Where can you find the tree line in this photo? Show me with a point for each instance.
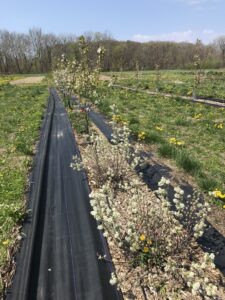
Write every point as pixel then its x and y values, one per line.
pixel 38 52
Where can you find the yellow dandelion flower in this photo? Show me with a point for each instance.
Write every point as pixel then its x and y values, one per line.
pixel 145 249
pixel 141 135
pixel 142 237
pixel 198 116
pixel 180 143
pixel 117 119
pixel 218 126
pixel 149 242
pixel 218 194
pixel 159 128
pixel 5 243
pixel 224 206
pixel 173 140
pixel 222 196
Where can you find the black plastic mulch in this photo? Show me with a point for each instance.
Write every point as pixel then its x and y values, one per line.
pixel 58 257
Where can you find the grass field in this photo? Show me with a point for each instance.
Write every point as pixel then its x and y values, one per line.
pixel 21 111
pixel 212 82
pixel 7 78
pixel 192 135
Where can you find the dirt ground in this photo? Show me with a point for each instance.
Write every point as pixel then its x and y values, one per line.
pixel 105 78
pixel 28 80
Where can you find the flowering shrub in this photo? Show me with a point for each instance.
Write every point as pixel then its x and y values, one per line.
pixel 112 168
pixel 155 237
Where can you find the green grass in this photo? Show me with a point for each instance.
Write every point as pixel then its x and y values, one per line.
pixel 188 163
pixel 21 111
pixel 167 150
pixel 7 78
pixel 77 120
pixel 177 82
pixel 203 152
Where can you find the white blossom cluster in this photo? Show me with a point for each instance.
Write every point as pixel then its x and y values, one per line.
pixel 77 163
pixel 113 279
pixel 79 77
pixel 191 210
pixel 148 230
pixel 197 279
pixel 118 167
pixel 65 76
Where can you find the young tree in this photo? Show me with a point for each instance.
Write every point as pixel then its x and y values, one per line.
pixel 220 42
pixel 80 78
pixel 157 77
pixel 197 65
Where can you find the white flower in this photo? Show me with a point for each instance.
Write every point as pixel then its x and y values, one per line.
pixel 117 235
pixel 212 256
pixel 129 231
pixel 196 286
pixel 93 213
pixel 99 50
pixel 162 182
pixel 191 274
pixel 113 280
pixel 127 238
pixel 106 234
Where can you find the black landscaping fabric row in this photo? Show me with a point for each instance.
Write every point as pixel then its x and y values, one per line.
pixel 212 99
pixel 58 256
pixel 211 241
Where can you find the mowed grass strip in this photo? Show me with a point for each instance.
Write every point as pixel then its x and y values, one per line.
pixel 21 111
pixel 191 134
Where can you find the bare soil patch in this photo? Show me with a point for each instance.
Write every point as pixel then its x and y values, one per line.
pixel 28 80
pixel 105 78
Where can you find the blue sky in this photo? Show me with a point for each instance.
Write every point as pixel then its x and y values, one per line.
pixel 140 20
